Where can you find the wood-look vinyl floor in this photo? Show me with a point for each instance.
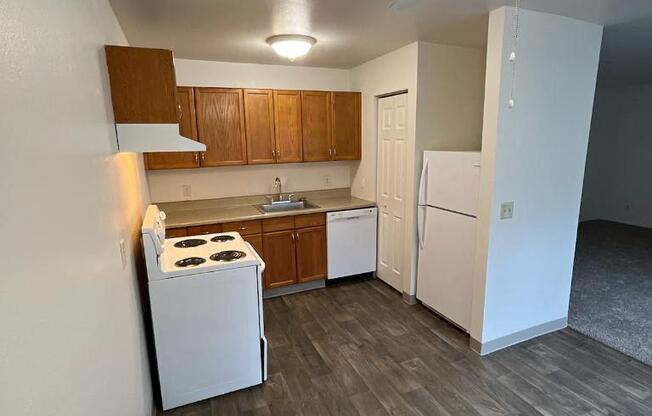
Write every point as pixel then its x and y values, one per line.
pixel 357 349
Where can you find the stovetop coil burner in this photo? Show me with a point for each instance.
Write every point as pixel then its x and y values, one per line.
pixel 222 238
pixel 228 255
pixel 190 242
pixel 190 261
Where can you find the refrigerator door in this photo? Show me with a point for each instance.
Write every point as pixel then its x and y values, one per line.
pixel 451 181
pixel 445 268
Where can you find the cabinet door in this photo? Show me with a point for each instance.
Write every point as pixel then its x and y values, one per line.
pixel 187 128
pixel 346 125
pixel 143 84
pixel 316 123
pixel 220 126
pixel 256 242
pixel 311 254
pixel 287 121
pixel 280 259
pixel 259 126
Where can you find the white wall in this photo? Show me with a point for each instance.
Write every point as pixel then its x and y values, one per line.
pixel 449 108
pixel 228 181
pixel 242 75
pixel 618 176
pixel 534 155
pixel 451 98
pixel 251 180
pixel 445 98
pixel 395 71
pixel 71 338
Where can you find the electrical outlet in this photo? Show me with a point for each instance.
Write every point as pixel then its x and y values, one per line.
pixel 186 191
pixel 123 253
pixel 327 180
pixel 506 210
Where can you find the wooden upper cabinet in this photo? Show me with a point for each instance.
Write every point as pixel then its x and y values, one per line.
pixel 143 84
pixel 187 128
pixel 311 253
pixel 221 126
pixel 316 123
pixel 259 126
pixel 280 259
pixel 346 139
pixel 287 120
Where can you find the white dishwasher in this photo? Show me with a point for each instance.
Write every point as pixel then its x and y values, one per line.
pixel 351 237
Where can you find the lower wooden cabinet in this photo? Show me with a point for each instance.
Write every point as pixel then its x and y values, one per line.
pixel 311 253
pixel 256 242
pixel 176 232
pixel 292 247
pixel 280 258
pixel 295 252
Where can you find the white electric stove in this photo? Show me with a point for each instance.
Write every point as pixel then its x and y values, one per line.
pixel 206 303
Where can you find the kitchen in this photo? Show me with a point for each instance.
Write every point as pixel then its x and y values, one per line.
pixel 303 237
pixel 234 231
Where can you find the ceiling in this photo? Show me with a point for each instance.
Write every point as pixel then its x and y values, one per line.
pixel 350 32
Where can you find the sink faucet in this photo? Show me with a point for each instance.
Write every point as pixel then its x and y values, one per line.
pixel 277 184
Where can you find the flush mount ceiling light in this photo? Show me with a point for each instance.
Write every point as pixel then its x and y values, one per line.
pixel 291 46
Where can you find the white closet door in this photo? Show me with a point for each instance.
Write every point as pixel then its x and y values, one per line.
pixel 392 154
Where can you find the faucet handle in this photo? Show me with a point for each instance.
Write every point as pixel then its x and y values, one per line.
pixel 290 197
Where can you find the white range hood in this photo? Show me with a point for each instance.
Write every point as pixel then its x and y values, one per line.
pixel 154 137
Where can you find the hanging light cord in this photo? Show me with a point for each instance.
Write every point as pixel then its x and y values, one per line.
pixel 512 55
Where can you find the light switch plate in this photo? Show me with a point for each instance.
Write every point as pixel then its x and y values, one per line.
pixel 506 210
pixel 186 191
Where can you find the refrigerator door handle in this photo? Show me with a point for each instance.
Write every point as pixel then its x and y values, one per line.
pixel 423 183
pixel 421 225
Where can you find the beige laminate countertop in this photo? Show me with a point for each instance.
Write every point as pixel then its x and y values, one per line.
pixel 203 212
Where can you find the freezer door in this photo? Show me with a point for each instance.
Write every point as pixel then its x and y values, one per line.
pixel 452 181
pixel 445 268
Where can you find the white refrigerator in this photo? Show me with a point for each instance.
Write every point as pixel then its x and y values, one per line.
pixel 446 221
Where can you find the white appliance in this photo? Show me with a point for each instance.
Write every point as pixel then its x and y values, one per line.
pixel 351 242
pixel 207 312
pixel 446 227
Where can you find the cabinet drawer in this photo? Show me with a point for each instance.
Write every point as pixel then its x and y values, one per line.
pixel 175 232
pixel 309 220
pixel 205 229
pixel 243 227
pixel 278 224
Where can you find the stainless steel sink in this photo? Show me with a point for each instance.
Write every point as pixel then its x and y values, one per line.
pixel 280 206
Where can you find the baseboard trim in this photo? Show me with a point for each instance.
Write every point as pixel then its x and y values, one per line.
pixel 288 290
pixel 409 299
pixel 517 337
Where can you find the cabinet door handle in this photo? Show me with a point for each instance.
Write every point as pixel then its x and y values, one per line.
pixel 243 228
pixel 278 153
pixel 297 236
pixel 196 157
pixel 203 157
pixel 292 234
pixel 273 154
pixel 334 152
pixel 330 152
